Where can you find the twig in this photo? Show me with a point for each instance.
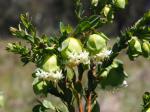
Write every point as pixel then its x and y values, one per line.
pixel 89 103
pixel 80 105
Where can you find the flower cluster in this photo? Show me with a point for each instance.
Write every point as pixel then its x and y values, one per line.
pixel 82 57
pixel 53 75
pixel 99 57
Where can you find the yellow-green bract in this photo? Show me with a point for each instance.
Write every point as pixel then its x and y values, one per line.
pixel 146 49
pixel 106 10
pixel 50 64
pixel 134 49
pixel 94 2
pixel 148 110
pixel 120 3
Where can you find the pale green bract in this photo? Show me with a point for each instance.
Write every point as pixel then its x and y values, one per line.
pixel 49 69
pixel 148 110
pixel 106 10
pixel 95 2
pixel 69 46
pixel 50 64
pixel 120 3
pixel 96 43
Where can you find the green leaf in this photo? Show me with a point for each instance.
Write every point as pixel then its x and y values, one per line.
pixel 79 9
pixel 18 48
pixel 67 94
pixel 48 105
pixel 88 23
pixel 95 106
pixel 38 108
pixel 146 102
pixel 68 29
pixel 39 87
pixel 25 19
pixel 82 27
pixel 62 108
pixel 113 76
pixel 145 20
pixel 36 79
pixel 22 34
pixel 27 24
pixel 78 87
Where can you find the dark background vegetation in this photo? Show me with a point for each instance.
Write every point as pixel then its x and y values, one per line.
pixel 16 80
pixel 46 14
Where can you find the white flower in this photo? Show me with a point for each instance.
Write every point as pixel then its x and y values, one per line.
pixel 125 84
pixel 53 75
pixel 102 55
pixel 73 58
pixel 82 57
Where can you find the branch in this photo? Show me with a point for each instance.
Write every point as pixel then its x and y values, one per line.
pixel 141 29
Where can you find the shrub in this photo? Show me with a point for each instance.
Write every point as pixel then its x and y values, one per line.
pixel 63 60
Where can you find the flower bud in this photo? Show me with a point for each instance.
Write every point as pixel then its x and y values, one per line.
pixel 120 4
pixel 69 46
pixel 12 29
pixel 50 64
pixel 95 2
pixel 106 10
pixel 96 43
pixel 146 49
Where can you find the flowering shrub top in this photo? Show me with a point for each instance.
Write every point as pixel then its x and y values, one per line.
pixel 63 60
